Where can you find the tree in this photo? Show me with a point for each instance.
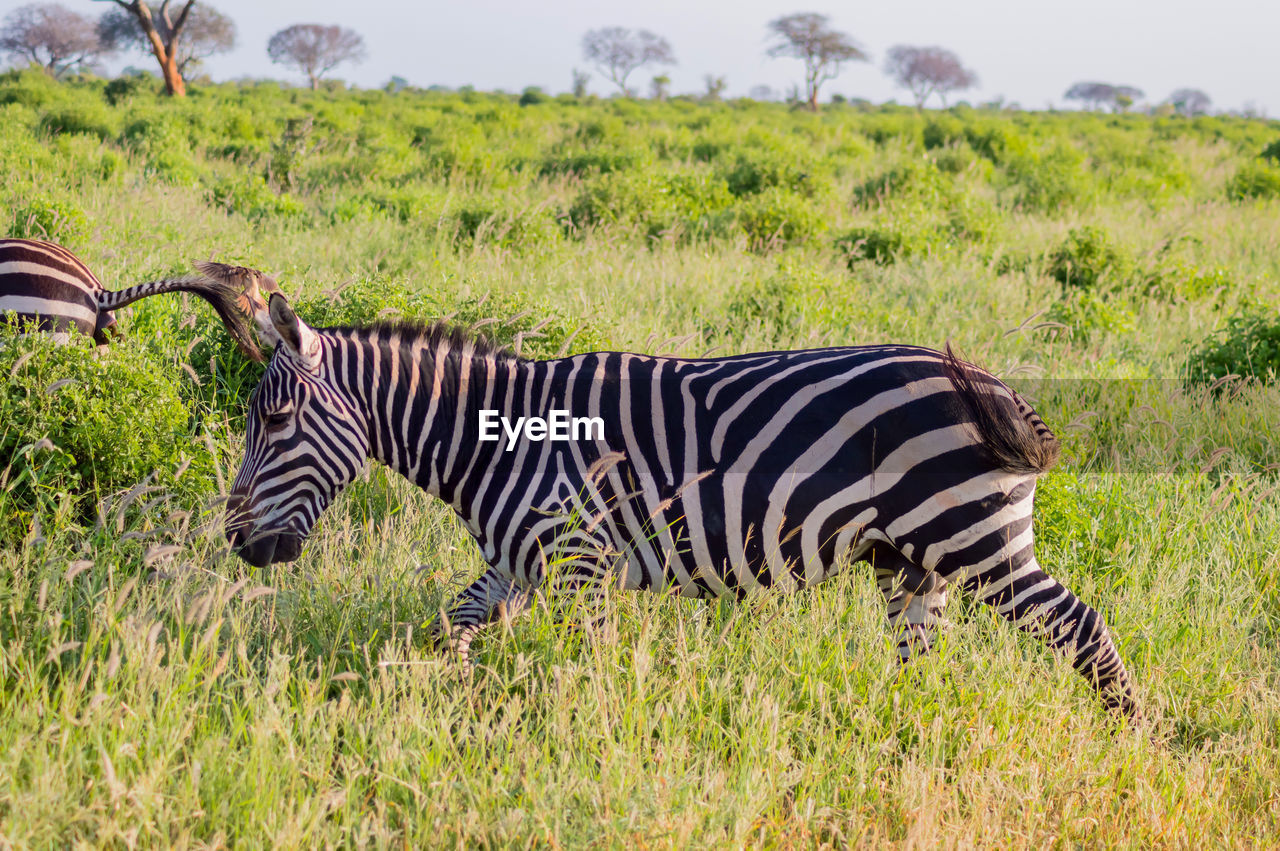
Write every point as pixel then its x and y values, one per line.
pixel 207 32
pixel 928 71
pixel 1190 102
pixel 1098 95
pixel 52 36
pixel 715 87
pixel 580 80
pixel 660 87
pixel 617 51
pixel 315 49
pixel 809 37
pixel 164 46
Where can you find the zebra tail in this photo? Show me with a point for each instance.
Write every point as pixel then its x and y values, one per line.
pixel 221 296
pixel 1013 434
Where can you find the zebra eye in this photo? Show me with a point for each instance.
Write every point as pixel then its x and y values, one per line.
pixel 277 420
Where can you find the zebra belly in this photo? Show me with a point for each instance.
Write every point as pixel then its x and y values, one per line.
pixel 51 314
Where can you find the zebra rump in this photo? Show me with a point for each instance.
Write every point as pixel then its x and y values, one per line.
pixel 50 289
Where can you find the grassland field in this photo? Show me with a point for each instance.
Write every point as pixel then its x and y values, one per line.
pixel 155 691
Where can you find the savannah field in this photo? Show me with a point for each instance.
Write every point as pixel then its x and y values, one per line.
pixel 156 691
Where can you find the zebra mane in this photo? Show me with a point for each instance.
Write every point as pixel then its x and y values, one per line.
pixel 430 335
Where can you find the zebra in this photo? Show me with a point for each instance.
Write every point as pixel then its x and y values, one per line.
pixel 50 289
pixel 713 477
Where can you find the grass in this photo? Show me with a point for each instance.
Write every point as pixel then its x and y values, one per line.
pixel 156 691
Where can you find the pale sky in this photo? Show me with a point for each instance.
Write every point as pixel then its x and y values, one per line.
pixel 1026 51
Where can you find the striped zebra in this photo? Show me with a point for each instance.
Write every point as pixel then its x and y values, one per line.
pixel 50 289
pixel 712 477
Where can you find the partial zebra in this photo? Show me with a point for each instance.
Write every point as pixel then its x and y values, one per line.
pixel 713 477
pixel 49 288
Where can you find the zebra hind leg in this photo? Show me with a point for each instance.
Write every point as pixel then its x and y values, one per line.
pixel 490 598
pixel 1038 604
pixel 914 598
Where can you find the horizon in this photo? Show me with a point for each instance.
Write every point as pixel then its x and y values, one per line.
pixel 1157 48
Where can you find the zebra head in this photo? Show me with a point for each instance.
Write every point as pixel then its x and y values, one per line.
pixel 306 441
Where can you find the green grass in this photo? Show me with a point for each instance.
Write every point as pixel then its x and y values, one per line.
pixel 156 691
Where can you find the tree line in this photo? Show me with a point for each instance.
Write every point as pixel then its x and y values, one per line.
pixel 181 35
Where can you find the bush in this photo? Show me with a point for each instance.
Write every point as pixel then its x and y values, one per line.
pixel 1254 180
pixel 780 217
pixel 251 197
pixel 1249 346
pixel 1087 258
pixel 1086 312
pixel 1047 182
pixel 686 204
pixel 77 425
pixel 89 117
pixel 482 220
pixel 55 220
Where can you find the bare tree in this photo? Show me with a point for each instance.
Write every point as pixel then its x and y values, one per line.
pixel 580 80
pixel 206 33
pixel 315 49
pixel 808 36
pixel 165 47
pixel 617 51
pixel 52 36
pixel 1190 102
pixel 1098 95
pixel 928 71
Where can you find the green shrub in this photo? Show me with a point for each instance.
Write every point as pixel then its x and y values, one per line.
pixel 1088 257
pixel 1047 182
pixel 1249 346
pixel 122 89
pixel 1254 180
pixel 77 425
pixel 90 117
pixel 533 95
pixel 250 196
pixel 1086 312
pixel 754 170
pixel 684 204
pixel 52 219
pixel 1271 152
pixel 488 220
pixel 883 242
pixel 780 217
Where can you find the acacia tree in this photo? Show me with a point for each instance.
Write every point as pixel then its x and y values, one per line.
pixel 52 36
pixel 617 51
pixel 315 49
pixel 809 37
pixel 1098 95
pixel 1190 102
pixel 165 47
pixel 928 71
pixel 206 32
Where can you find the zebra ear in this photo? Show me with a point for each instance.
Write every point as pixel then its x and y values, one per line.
pixel 299 340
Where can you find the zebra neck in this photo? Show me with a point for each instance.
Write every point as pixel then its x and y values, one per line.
pixel 422 398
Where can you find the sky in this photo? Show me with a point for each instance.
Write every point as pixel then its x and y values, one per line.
pixel 1025 51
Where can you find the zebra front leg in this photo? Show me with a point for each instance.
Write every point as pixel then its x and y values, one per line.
pixel 1040 605
pixel 914 598
pixel 491 597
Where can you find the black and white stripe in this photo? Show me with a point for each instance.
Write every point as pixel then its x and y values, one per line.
pixel 713 477
pixel 50 289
